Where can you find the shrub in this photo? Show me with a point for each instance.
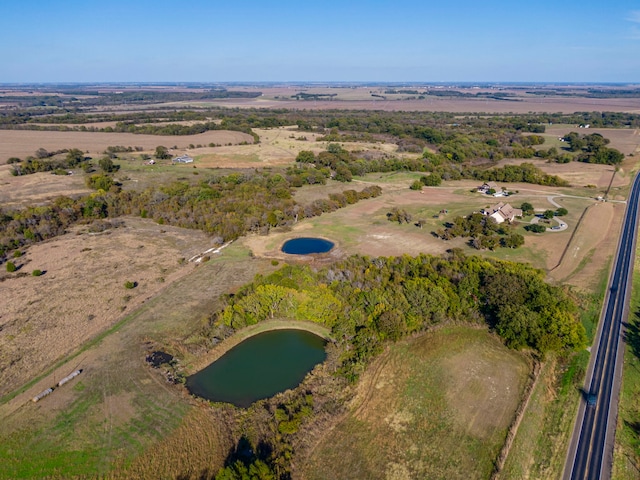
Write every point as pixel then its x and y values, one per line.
pixel 128 284
pixel 535 228
pixel 11 267
pixel 36 272
pixel 17 254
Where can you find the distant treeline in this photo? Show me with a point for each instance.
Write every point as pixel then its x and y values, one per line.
pixel 454 93
pixel 456 138
pixel 75 99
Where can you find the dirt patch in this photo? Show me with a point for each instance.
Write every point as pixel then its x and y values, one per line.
pixel 82 292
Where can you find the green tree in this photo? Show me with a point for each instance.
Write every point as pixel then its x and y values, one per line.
pixel 514 240
pixel 548 214
pixel 306 156
pixel 74 157
pixel 527 208
pixel 432 180
pixel 11 267
pixel 535 228
pixel 561 212
pixel 100 181
pixel 107 165
pixel 162 153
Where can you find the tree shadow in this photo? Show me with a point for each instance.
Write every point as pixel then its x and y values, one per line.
pixel 245 452
pixel 634 426
pixel 632 334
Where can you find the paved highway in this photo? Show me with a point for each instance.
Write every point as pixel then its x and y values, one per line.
pixel 591 450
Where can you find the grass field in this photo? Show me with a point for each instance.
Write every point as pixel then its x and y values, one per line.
pixel 437 406
pixel 364 228
pixel 627 449
pixel 118 408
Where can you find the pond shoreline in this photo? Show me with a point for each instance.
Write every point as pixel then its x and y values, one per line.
pixel 241 335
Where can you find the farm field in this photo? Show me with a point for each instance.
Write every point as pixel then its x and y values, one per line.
pixel 360 98
pixel 38 188
pixel 21 143
pixel 437 406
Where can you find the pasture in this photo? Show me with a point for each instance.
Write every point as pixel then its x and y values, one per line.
pixel 119 415
pixel 436 406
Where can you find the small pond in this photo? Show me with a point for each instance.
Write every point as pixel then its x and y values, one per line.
pixel 306 245
pixel 259 367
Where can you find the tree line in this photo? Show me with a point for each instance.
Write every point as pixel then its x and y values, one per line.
pixel 226 207
pixel 367 301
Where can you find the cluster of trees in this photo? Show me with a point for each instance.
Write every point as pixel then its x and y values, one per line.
pixel 523 173
pixel 485 233
pixel 224 206
pixel 346 164
pixel 367 301
pixel 592 149
pixel 399 215
pixel 74 158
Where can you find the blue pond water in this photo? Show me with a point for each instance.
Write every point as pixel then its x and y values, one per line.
pixel 259 367
pixel 307 245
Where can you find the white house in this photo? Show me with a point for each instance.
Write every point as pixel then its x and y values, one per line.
pixel 501 212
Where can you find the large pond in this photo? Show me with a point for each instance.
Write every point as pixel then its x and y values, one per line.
pixel 259 367
pixel 306 245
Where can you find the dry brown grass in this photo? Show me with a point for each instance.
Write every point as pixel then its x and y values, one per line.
pixel 82 292
pixel 196 449
pixel 37 188
pixel 19 143
pixel 433 407
pixel 626 140
pixel 119 408
pixel 277 147
pixel 576 173
pixel 592 246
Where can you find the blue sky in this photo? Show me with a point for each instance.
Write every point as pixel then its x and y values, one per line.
pixel 386 41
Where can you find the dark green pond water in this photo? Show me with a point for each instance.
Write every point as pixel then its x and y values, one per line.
pixel 306 245
pixel 259 367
